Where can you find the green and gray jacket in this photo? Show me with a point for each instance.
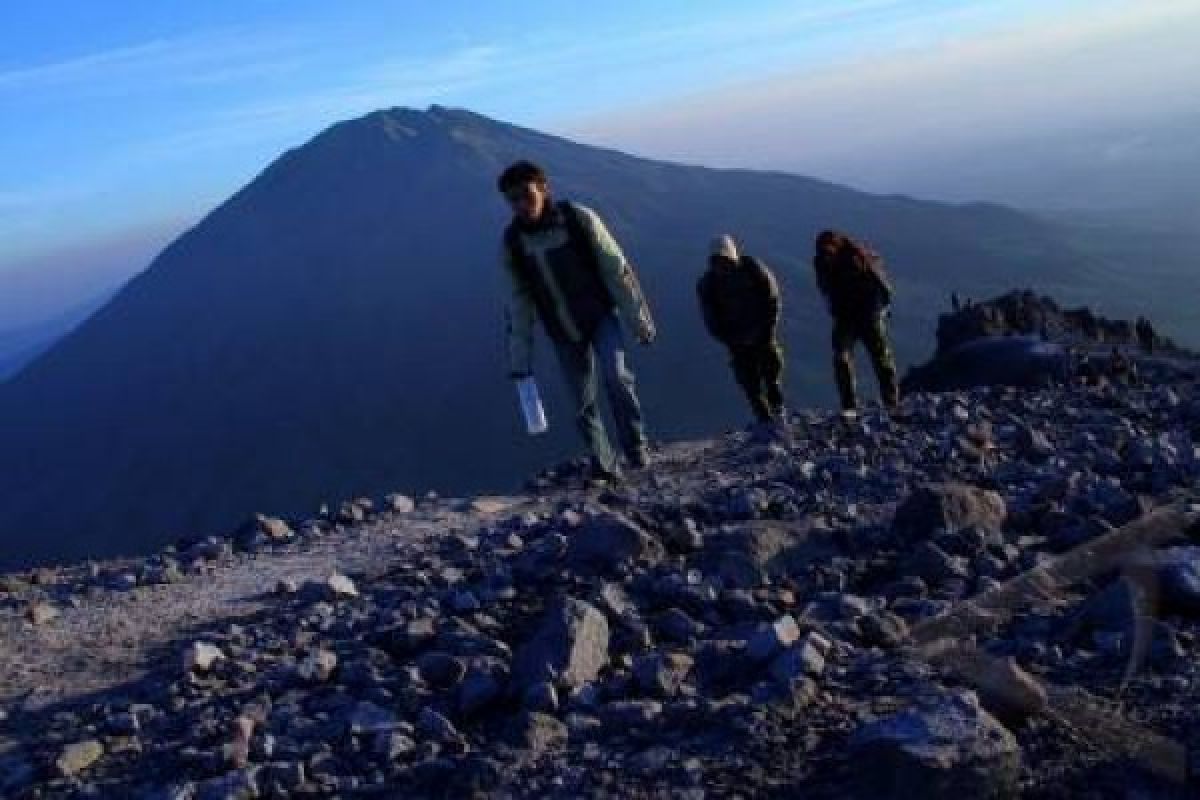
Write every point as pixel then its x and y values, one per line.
pixel 569 272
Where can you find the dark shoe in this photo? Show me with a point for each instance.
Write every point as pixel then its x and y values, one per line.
pixel 601 478
pixel 638 459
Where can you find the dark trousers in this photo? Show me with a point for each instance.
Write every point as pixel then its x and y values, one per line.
pixel 872 332
pixel 758 369
pixel 583 364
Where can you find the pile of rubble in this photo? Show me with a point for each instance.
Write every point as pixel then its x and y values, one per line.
pixel 987 594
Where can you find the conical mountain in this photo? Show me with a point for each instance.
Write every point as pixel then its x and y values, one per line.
pixel 335 329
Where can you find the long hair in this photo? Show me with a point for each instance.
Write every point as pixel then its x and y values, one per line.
pixel 846 249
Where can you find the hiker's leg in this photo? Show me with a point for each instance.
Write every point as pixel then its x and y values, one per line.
pixel 745 363
pixel 771 367
pixel 843 364
pixel 579 368
pixel 621 387
pixel 879 346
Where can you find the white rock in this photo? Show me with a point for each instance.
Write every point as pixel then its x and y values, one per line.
pixel 200 656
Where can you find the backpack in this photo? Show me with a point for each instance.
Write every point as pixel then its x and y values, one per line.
pixel 585 293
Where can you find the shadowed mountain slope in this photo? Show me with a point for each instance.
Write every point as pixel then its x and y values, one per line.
pixel 334 329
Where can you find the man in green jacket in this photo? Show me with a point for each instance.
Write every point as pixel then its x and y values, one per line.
pixel 740 302
pixel 859 296
pixel 568 271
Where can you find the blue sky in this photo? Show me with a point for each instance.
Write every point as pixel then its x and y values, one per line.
pixel 121 122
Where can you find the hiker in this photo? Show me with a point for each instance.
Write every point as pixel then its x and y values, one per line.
pixel 568 271
pixel 739 299
pixel 955 303
pixel 851 278
pixel 1145 334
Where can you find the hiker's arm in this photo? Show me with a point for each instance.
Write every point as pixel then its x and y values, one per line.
pixel 707 310
pixel 821 269
pixel 519 319
pixel 619 277
pixel 774 298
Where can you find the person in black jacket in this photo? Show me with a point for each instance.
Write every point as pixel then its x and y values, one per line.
pixel 851 278
pixel 739 298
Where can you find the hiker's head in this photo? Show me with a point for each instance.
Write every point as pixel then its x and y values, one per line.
pixel 723 251
pixel 525 187
pixel 829 242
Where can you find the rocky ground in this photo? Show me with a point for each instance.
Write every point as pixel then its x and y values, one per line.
pixel 752 616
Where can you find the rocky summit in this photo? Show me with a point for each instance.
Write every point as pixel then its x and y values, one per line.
pixel 991 593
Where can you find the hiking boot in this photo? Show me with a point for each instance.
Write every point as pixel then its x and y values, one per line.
pixel 600 478
pixel 639 458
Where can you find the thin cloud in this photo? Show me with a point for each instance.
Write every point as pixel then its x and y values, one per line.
pixel 1049 73
pixel 225 55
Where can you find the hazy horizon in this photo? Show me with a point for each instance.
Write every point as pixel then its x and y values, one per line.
pixel 1059 105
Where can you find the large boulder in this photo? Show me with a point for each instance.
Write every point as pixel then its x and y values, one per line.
pixel 944 747
pixel 609 541
pixel 570 646
pixel 950 507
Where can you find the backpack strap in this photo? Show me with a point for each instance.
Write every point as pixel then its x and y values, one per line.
pixel 579 236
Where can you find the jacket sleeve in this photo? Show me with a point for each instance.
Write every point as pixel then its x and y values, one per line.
pixel 519 318
pixel 883 285
pixel 708 311
pixel 618 275
pixel 821 268
pixel 774 303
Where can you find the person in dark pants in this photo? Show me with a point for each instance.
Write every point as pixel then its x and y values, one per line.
pixel 567 270
pixel 739 299
pixel 850 277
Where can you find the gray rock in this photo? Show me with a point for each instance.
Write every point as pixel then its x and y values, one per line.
pixel 400 503
pixel 770 639
pixel 610 541
pixel 480 688
pixel 41 613
pixel 339 586
pixel 537 732
pixel 662 673
pixel 935 566
pixel 950 507
pixel 318 666
pixel 77 757
pixel 631 712
pixel 441 670
pixel 241 784
pixel 945 744
pixel 282 777
pixel 797 661
pixel 201 656
pixel 368 718
pixel 570 646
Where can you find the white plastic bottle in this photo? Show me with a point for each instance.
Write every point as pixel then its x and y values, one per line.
pixel 531 406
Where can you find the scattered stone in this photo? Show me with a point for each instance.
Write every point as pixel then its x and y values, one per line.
pixel 945 744
pixel 201 656
pixel 770 639
pixel 610 541
pixel 318 666
pixel 400 503
pixel 41 613
pixel 949 507
pixel 340 586
pixel 570 646
pixel 537 732
pixel 75 758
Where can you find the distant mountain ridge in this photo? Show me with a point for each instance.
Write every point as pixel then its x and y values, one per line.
pixel 334 329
